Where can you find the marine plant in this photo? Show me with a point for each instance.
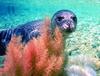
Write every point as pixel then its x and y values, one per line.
pixel 42 56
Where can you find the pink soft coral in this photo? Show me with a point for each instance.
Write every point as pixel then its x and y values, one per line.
pixel 39 57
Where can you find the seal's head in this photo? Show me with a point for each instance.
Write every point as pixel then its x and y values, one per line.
pixel 66 20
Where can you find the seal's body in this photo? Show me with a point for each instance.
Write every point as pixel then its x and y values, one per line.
pixel 26 31
pixel 64 19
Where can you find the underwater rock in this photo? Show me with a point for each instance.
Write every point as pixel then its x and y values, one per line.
pixel 81 65
pixel 76 70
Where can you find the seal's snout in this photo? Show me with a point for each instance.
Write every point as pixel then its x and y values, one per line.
pixel 66 20
pixel 67 25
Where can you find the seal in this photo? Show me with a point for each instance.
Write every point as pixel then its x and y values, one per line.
pixel 66 20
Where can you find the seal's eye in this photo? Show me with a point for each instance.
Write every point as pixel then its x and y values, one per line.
pixel 74 18
pixel 60 18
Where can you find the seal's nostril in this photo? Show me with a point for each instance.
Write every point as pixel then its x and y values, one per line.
pixel 67 22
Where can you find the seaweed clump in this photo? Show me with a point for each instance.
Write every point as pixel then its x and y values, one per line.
pixel 42 56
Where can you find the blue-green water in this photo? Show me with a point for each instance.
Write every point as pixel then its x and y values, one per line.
pixel 85 40
pixel 27 10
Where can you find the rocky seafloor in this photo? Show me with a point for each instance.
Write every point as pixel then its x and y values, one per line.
pixel 82 46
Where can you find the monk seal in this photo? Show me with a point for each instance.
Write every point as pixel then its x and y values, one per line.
pixel 66 20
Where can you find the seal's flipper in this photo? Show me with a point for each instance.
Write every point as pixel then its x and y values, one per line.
pixel 5 37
